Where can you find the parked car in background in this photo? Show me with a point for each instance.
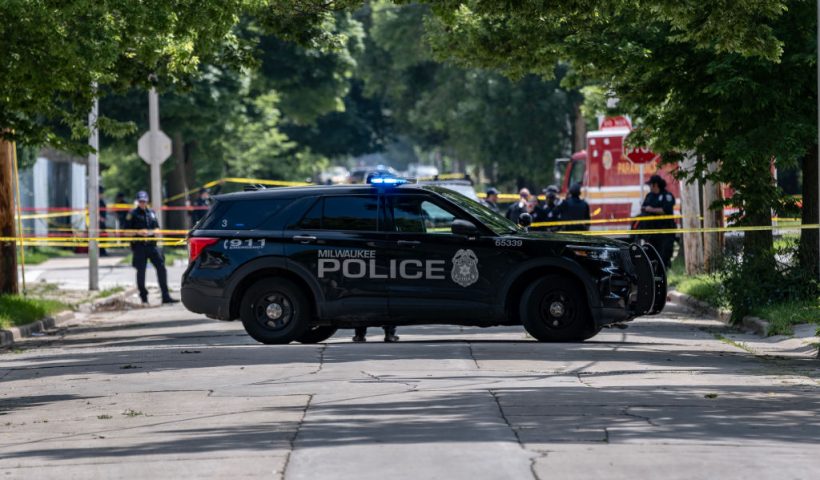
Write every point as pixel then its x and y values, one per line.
pixel 334 176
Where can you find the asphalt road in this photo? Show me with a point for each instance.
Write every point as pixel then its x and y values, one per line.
pixel 162 393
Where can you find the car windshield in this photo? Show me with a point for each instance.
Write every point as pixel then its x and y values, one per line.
pixel 495 222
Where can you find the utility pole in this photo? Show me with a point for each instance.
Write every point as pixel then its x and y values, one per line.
pixel 8 248
pixel 155 147
pixel 93 199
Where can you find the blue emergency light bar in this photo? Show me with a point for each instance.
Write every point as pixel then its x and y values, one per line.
pixel 386 180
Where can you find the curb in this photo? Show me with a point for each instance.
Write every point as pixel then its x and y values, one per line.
pixel 14 334
pixel 749 324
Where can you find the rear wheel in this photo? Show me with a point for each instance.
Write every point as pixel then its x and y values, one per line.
pixel 554 309
pixel 275 311
pixel 317 334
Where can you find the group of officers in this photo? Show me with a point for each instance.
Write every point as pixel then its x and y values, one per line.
pixel 658 202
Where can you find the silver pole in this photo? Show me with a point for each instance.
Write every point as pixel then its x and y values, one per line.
pixel 93 199
pixel 156 161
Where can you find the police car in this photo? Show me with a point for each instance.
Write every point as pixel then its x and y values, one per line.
pixel 296 264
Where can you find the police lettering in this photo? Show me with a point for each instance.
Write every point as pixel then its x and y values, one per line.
pixel 411 269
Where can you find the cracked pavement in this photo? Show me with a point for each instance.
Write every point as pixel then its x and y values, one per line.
pixel 164 393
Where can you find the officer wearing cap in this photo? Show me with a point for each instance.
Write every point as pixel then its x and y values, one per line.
pixel 142 221
pixel 201 205
pixel 659 202
pixel 575 208
pixel 491 200
pixel 551 210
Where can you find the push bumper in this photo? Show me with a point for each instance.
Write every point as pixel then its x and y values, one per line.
pixel 649 296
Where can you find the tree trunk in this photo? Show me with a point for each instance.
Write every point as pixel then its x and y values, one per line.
pixel 810 238
pixel 690 209
pixel 8 248
pixel 712 218
pixel 579 129
pixel 178 219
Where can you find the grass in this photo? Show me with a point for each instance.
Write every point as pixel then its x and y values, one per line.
pixel 705 287
pixel 38 255
pixel 109 291
pixel 18 310
pixel 708 288
pixel 781 316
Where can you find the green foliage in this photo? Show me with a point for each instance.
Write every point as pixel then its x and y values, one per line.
pixel 53 53
pixel 782 316
pixel 752 285
pixel 514 129
pixel 17 310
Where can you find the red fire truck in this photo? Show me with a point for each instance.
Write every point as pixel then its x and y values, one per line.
pixel 612 184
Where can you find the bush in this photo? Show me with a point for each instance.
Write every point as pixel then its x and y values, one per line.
pixel 755 282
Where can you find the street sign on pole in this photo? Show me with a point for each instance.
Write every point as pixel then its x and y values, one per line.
pixel 640 155
pixel 155 147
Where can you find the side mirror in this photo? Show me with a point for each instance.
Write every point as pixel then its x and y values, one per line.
pixel 463 227
pixel 525 219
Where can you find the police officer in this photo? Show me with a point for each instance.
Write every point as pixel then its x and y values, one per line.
pixel 491 200
pixel 202 203
pixel 516 209
pixel 659 202
pixel 142 221
pixel 389 334
pixel 551 209
pixel 575 208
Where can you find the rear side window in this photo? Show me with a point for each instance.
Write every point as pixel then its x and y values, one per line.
pixel 245 214
pixel 359 213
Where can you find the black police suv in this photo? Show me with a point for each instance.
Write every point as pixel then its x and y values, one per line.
pixel 295 264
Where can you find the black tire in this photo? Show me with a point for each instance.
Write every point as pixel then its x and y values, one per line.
pixel 275 296
pixel 554 309
pixel 317 334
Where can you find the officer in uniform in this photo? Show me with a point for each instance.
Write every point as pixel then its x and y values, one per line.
pixel 202 202
pixel 389 334
pixel 516 209
pixel 659 202
pixel 142 221
pixel 551 210
pixel 491 200
pixel 575 208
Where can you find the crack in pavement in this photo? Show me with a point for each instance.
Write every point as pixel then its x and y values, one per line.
pixel 292 440
pixel 515 433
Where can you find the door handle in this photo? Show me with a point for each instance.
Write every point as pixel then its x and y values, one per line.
pixel 304 238
pixel 408 243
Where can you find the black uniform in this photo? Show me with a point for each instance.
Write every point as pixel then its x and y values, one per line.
pixel 146 250
pixel 551 213
pixel 574 208
pixel 196 215
pixel 492 206
pixel 515 211
pixel 663 243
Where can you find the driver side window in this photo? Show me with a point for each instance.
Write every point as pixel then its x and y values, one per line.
pixel 416 214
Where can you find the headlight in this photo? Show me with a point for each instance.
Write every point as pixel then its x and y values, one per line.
pixel 602 254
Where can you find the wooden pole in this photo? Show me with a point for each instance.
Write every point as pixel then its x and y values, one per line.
pixel 712 242
pixel 8 249
pixel 690 209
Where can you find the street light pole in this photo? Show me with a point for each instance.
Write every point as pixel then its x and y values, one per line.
pixel 93 199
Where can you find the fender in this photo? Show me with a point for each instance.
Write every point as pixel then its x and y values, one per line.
pixel 282 263
pixel 593 297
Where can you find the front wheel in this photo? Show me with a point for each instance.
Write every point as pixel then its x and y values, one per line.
pixel 275 311
pixel 554 309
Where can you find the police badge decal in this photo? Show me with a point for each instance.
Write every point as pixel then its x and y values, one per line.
pixel 465 268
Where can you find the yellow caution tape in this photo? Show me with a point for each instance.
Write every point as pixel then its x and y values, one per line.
pixel 660 231
pixel 606 220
